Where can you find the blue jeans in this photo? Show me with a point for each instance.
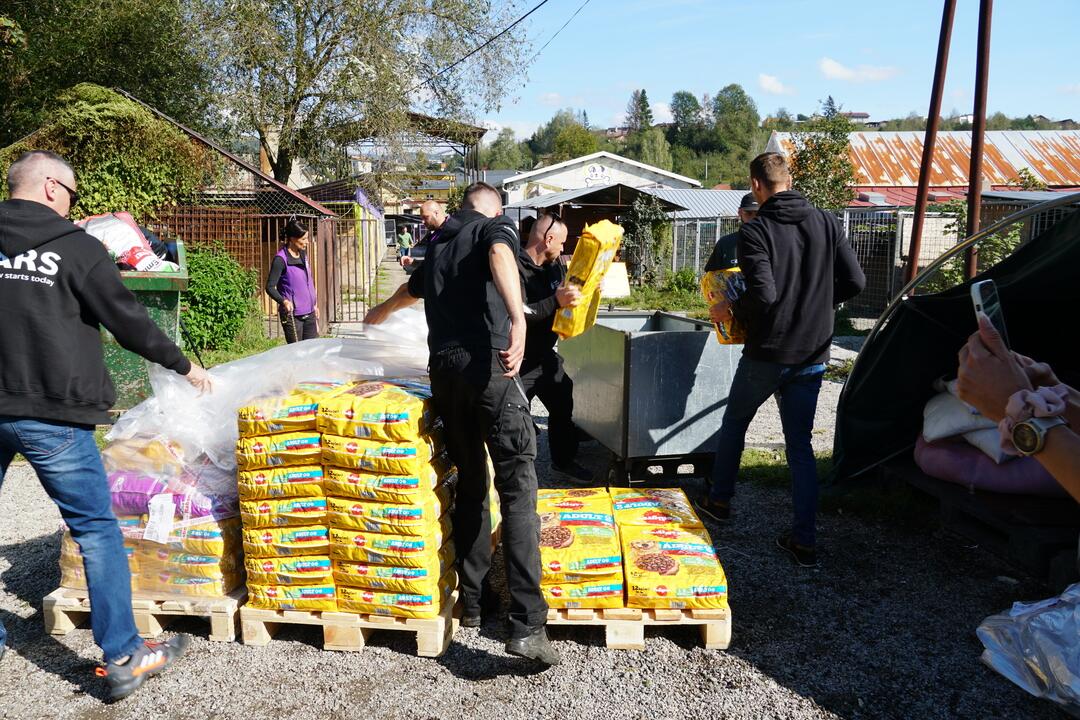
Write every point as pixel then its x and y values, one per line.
pixel 796 388
pixel 68 465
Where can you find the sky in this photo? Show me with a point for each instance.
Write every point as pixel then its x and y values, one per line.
pixel 871 57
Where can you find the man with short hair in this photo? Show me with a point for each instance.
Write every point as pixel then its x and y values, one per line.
pixel 471 288
pixel 57 286
pixel 404 242
pixel 798 266
pixel 724 253
pixel 434 217
pixel 542 371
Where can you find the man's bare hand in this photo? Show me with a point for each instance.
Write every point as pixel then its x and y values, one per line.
pixel 720 312
pixel 568 296
pixel 407 260
pixel 378 314
pixel 199 379
pixel 513 355
pixel 989 374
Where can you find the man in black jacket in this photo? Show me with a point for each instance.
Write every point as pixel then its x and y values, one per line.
pixel 798 266
pixel 471 288
pixel 57 287
pixel 724 254
pixel 542 371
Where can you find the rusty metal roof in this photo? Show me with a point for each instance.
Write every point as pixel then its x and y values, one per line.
pixel 891 159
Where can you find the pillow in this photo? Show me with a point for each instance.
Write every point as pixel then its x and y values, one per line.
pixel 957 462
pixel 946 415
pixel 989 441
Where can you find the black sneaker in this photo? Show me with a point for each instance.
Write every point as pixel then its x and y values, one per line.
pixel 535 646
pixel 573 473
pixel 803 556
pixel 471 619
pixel 718 510
pixel 149 660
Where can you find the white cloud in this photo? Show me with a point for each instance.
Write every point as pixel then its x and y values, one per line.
pixel 551 99
pixel 772 85
pixel 1073 89
pixel 661 112
pixel 523 129
pixel 861 73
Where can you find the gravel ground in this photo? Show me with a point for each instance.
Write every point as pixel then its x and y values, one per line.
pixel 884 628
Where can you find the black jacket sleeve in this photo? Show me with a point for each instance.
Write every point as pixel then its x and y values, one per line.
pixel 757 270
pixel 115 307
pixel 848 277
pixel 542 311
pixel 416 281
pixel 277 267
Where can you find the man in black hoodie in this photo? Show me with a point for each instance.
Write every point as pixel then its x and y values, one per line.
pixel 57 287
pixel 798 266
pixel 471 288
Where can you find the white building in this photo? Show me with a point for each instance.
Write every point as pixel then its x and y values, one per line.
pixel 591 171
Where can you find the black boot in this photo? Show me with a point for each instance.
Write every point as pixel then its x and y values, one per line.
pixel 534 646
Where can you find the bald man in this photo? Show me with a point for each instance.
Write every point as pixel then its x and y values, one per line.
pixel 58 286
pixel 434 217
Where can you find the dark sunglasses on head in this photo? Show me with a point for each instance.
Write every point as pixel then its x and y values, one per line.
pixel 554 219
pixel 72 193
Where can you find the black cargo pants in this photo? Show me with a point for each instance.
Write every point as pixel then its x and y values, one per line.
pixel 545 378
pixel 479 406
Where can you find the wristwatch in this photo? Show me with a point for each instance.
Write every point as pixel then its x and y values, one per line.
pixel 1029 436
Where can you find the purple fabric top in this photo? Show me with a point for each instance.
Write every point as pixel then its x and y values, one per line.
pixel 297 285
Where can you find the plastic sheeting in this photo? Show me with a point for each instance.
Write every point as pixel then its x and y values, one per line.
pixel 1037 646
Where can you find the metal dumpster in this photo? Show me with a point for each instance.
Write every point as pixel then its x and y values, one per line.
pixel 159 292
pixel 651 387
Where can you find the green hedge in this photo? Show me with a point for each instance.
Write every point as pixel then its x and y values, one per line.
pixel 219 300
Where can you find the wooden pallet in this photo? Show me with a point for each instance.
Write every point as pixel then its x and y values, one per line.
pixel 624 628
pixel 65 609
pixel 348 632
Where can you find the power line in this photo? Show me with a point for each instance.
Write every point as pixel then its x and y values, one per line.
pixel 483 45
pixel 550 39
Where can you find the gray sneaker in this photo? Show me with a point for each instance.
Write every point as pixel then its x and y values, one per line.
pixel 535 646
pixel 149 660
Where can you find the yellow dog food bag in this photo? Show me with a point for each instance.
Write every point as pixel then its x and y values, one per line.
pixel 286 541
pixel 407 458
pixel 283 512
pixel 297 481
pixel 579 546
pixel 159 558
pixel 266 451
pixel 286 413
pixel 208 537
pixel 418 518
pixel 378 410
pixel 293 597
pixel 572 493
pixel 653 507
pixel 383 549
pixel 595 596
pixel 72 572
pixel 407 489
pixel 376 602
pixel 164 582
pixel 411 580
pixel 593 255
pixel 301 570
pixel 714 286
pixel 595 503
pixel 672 567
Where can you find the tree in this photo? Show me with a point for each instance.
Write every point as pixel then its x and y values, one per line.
pixel 310 76
pixel 821 168
pixel 829 108
pixel 542 142
pixel 737 132
pixel 685 117
pixel 655 149
pixel 781 121
pixel 647 240
pixel 148 47
pixel 638 113
pixel 574 141
pixel 505 152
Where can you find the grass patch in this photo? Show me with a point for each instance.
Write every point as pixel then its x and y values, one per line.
pixel 667 300
pixel 864 498
pixel 839 372
pixel 251 340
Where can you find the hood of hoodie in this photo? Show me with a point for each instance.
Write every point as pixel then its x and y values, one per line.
pixel 788 207
pixel 25 225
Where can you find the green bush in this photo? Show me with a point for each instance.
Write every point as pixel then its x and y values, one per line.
pixel 685 281
pixel 219 300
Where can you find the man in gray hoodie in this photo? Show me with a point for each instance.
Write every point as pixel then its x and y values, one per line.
pixel 58 286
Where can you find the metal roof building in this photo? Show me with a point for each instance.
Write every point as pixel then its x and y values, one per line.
pixel 887 163
pixel 701 203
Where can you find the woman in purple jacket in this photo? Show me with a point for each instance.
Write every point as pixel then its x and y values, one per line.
pixel 292 286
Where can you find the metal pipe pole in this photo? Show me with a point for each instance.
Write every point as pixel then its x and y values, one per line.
pixel 978 133
pixel 930 139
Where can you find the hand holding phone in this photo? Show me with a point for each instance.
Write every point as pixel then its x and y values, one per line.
pixel 984 297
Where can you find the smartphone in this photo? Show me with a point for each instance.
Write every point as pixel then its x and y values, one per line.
pixel 984 297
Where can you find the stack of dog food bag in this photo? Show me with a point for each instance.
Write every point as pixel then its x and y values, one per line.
pixel 178 515
pixel 668 555
pixel 283 502
pixel 389 492
pixel 580 558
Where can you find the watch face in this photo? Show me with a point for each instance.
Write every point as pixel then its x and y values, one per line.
pixel 1025 438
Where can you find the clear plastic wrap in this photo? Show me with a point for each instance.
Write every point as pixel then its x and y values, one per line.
pixel 1037 646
